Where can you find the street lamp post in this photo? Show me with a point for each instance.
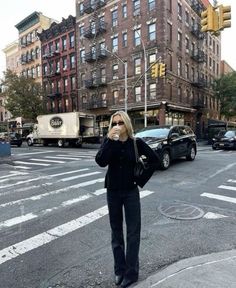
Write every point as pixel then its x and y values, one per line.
pixel 126 76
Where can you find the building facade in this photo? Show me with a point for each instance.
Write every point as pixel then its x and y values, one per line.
pixel 112 33
pixel 12 54
pixel 29 44
pixel 59 66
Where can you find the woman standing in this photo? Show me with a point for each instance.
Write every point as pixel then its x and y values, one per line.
pixel 122 191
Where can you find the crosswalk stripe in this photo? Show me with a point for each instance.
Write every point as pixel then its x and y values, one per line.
pixel 43 177
pixel 31 163
pixel 40 196
pixel 22 167
pixel 79 176
pixel 41 239
pixel 46 160
pixel 231 180
pixel 61 157
pixel 219 197
pixel 227 187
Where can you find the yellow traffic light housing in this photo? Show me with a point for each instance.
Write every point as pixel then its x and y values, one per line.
pixel 162 70
pixel 154 70
pixel 224 17
pixel 209 20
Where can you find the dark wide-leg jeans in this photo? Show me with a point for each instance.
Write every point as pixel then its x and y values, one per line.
pixel 126 264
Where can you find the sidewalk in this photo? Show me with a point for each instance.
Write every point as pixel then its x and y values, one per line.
pixel 217 270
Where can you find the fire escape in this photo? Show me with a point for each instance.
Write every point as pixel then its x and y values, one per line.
pixel 97 79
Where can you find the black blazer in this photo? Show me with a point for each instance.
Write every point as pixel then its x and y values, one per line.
pixel 120 158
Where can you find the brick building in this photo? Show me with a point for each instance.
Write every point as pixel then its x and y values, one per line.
pixel 138 32
pixel 59 65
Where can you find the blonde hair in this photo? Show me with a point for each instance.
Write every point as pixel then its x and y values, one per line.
pixel 125 117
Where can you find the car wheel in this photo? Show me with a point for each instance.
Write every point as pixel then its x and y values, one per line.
pixel 29 142
pixel 165 160
pixel 60 143
pixel 191 154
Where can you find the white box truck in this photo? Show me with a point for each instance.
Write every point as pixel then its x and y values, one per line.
pixel 65 129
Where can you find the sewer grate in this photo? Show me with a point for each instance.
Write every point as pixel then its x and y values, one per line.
pixel 180 211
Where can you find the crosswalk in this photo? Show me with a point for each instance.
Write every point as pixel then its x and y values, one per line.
pixel 25 200
pixel 39 160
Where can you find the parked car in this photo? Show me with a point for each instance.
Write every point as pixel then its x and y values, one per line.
pixel 15 139
pixel 225 140
pixel 170 142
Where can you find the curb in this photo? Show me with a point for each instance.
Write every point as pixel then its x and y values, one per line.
pixel 184 268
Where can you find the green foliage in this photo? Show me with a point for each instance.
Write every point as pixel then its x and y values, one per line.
pixel 25 97
pixel 225 91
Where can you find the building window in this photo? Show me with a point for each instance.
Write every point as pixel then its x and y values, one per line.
pixel 38 71
pixel 37 53
pixel 124 39
pixel 115 96
pixel 81 31
pixel 124 11
pixel 104 99
pixel 58 86
pixel 103 75
pixel 114 44
pixel 115 71
pixel 152 91
pixel 136 7
pixel 151 4
pixel 186 71
pixel 152 58
pixel 179 11
pixel 72 40
pixel 65 84
pixel 57 46
pixel 82 78
pixel 72 61
pixel 114 18
pixel 57 66
pixel 179 93
pixel 187 45
pixel 137 66
pixel 72 82
pixel 64 43
pixel 137 37
pixel 179 68
pixel 82 56
pixel 187 18
pixel 137 93
pixel 179 35
pixel 64 63
pixel 152 31
pixel 81 9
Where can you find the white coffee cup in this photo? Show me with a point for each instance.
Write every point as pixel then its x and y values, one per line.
pixel 117 135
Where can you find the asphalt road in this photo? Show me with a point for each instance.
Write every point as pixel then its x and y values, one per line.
pixel 54 227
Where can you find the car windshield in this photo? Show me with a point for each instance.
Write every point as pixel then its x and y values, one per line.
pixel 229 134
pixel 154 133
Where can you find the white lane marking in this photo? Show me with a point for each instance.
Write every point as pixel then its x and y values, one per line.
pixel 44 177
pixel 22 167
pixel 100 191
pixel 61 157
pixel 13 174
pixel 227 187
pixel 47 160
pixel 231 180
pixel 30 163
pixel 219 197
pixel 222 170
pixel 33 153
pixel 211 215
pixel 79 176
pixel 39 197
pixel 30 216
pixel 39 240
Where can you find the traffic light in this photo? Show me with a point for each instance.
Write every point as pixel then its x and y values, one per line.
pixel 209 19
pixel 224 17
pixel 154 70
pixel 162 70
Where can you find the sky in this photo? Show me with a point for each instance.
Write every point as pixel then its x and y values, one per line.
pixel 13 11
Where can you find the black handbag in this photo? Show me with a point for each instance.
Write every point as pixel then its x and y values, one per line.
pixel 142 170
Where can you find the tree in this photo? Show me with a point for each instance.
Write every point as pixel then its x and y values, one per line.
pixel 24 96
pixel 225 91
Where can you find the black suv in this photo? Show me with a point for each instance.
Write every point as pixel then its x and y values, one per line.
pixel 170 142
pixel 224 140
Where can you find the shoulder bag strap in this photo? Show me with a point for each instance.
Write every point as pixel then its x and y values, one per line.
pixel 136 150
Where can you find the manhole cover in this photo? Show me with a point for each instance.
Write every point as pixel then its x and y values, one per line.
pixel 180 211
